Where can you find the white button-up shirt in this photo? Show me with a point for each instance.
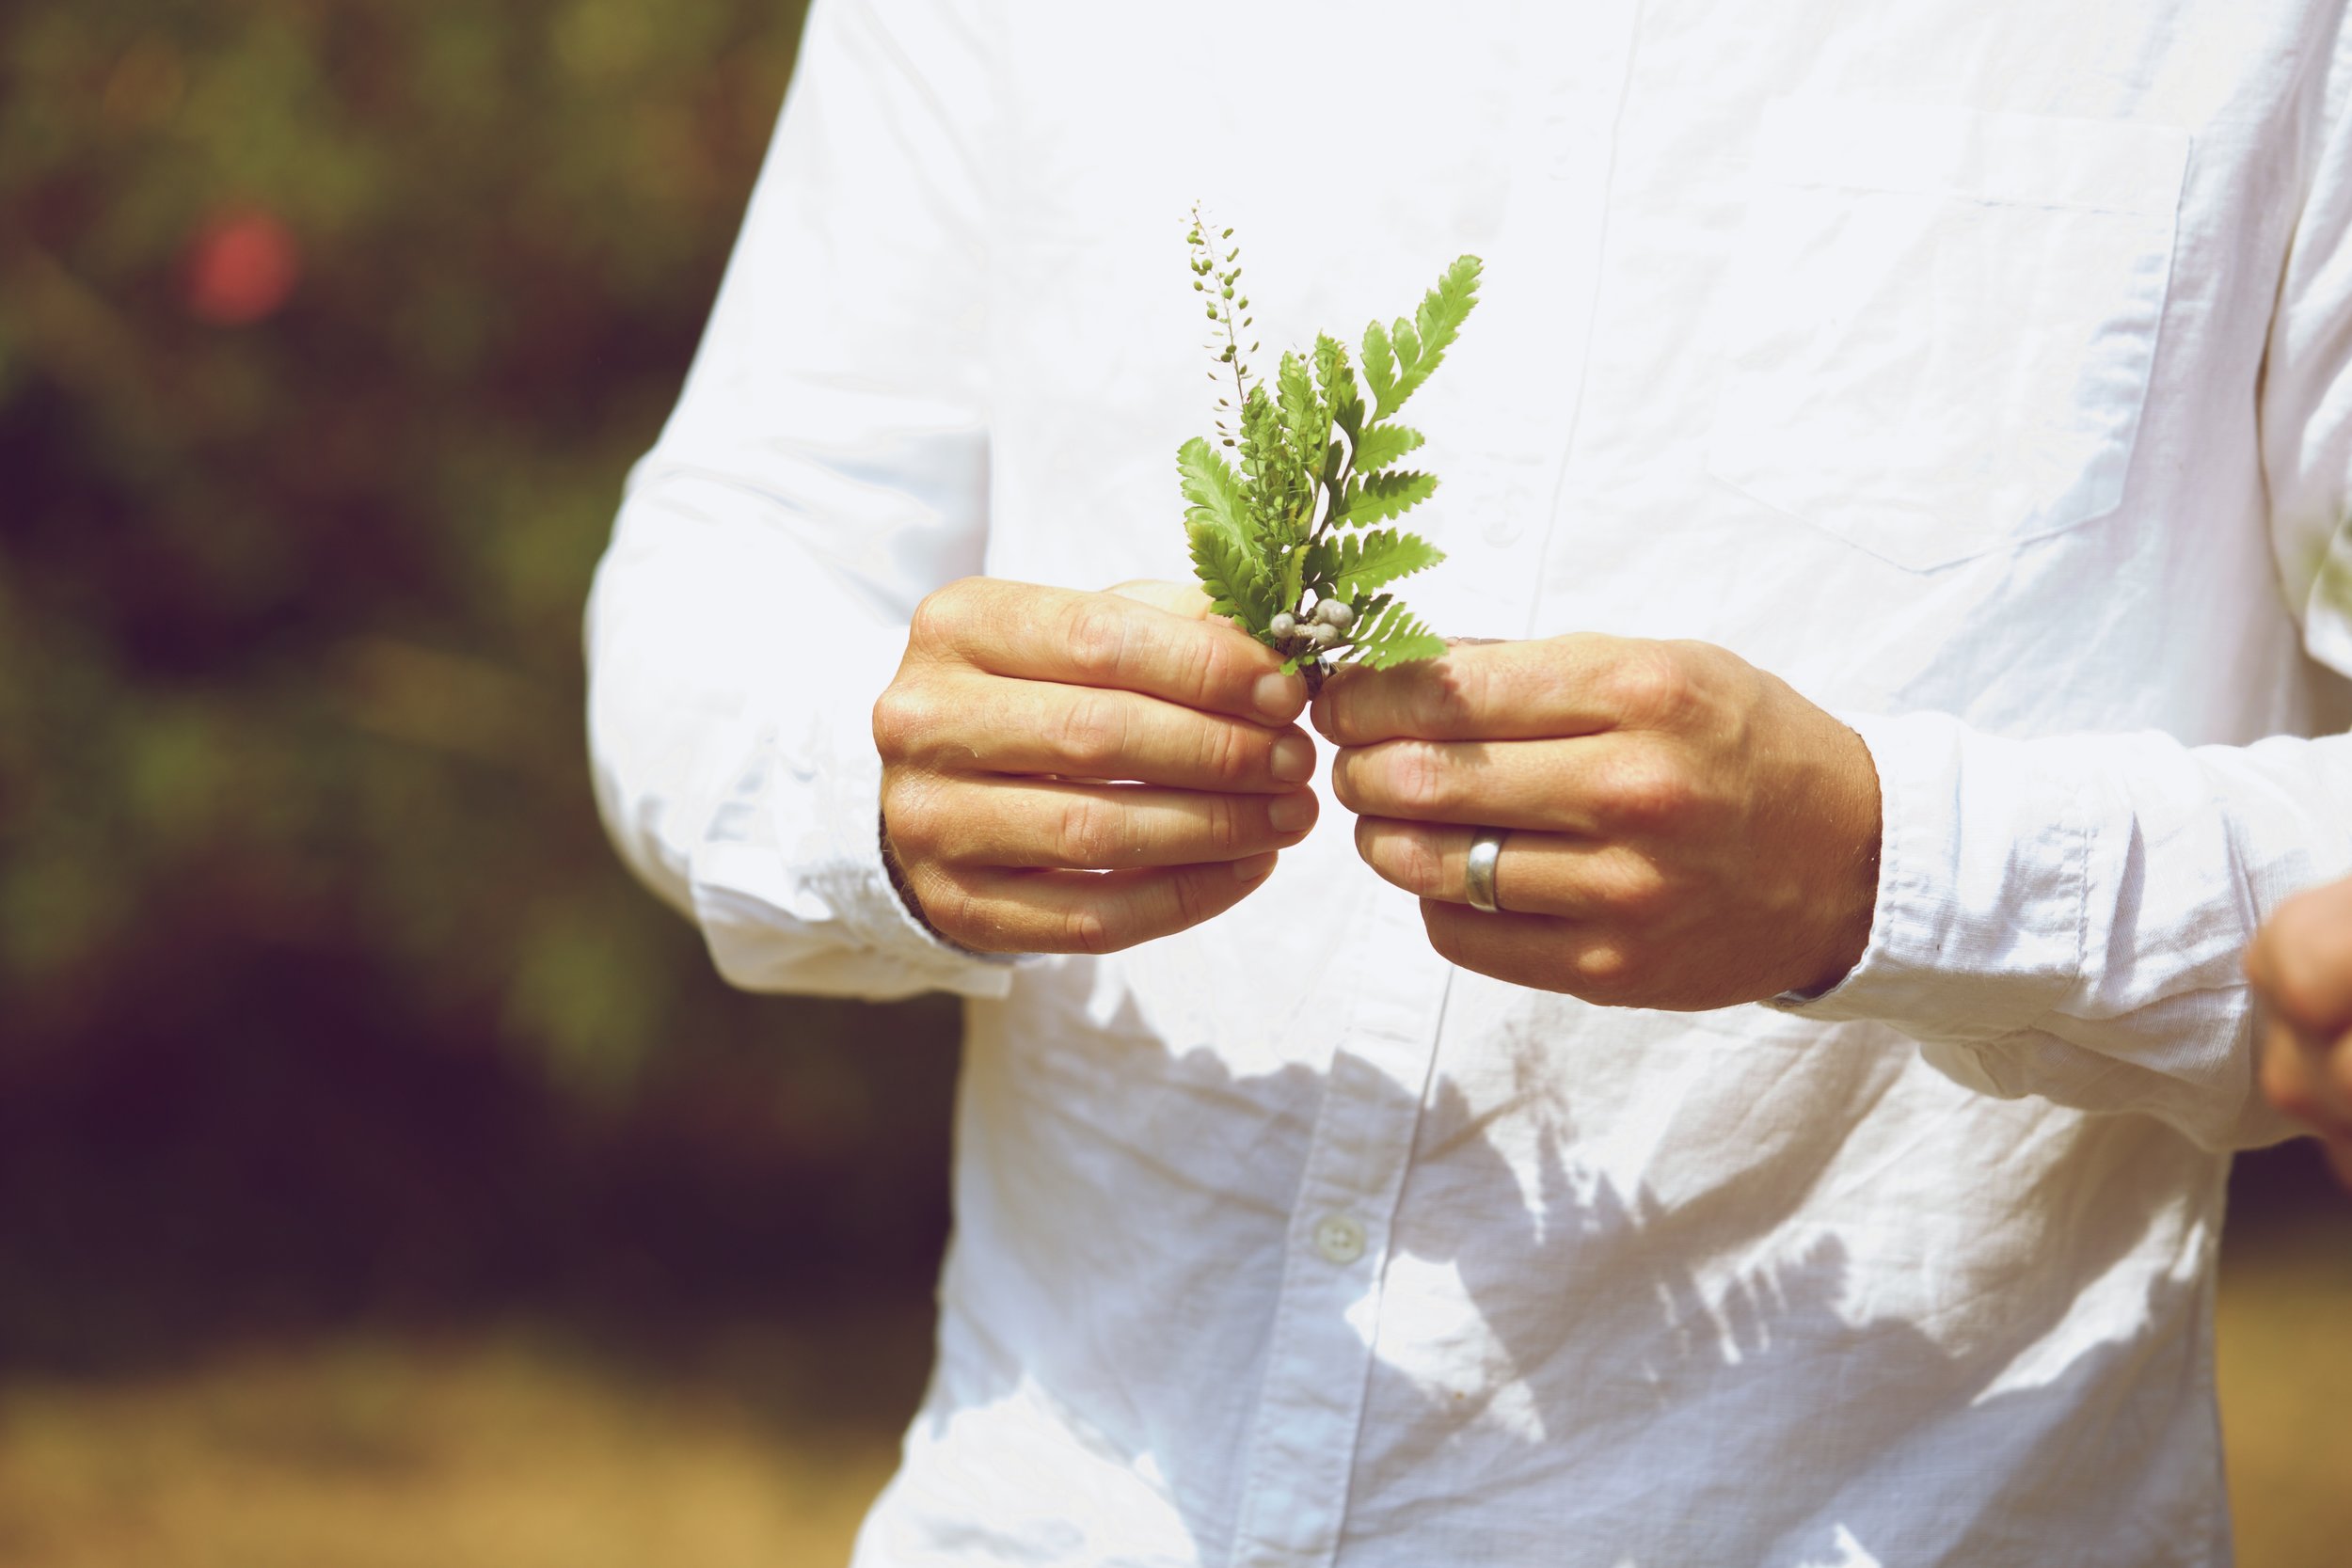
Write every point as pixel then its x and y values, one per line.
pixel 1976 365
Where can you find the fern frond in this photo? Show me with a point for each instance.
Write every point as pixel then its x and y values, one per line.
pixel 1380 371
pixel 1335 378
pixel 1408 648
pixel 1233 577
pixel 1419 344
pixel 1213 490
pixel 1378 498
pixel 1383 444
pixel 1444 309
pixel 1394 637
pixel 1380 557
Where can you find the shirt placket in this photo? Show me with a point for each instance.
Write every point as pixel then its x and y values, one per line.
pixel 1303 1446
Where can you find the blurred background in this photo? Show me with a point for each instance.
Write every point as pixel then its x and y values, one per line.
pixel 384 1178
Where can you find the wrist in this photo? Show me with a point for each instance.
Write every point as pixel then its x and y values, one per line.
pixel 1849 899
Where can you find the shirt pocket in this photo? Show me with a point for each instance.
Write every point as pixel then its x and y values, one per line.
pixel 1940 322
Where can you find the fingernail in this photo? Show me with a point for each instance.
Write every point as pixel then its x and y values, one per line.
pixel 1254 868
pixel 1293 758
pixel 1279 697
pixel 1288 814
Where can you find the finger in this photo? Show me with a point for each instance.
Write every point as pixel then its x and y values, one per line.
pixel 985 724
pixel 1542 952
pixel 1537 873
pixel 1562 686
pixel 2302 959
pixel 1083 911
pixel 1608 785
pixel 1047 823
pixel 2304 1079
pixel 1177 598
pixel 1109 640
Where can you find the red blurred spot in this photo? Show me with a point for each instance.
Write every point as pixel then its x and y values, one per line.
pixel 240 266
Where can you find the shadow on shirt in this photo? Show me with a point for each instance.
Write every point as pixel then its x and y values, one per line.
pixel 1767 1349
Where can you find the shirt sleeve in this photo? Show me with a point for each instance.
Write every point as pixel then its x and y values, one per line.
pixel 826 467
pixel 2067 917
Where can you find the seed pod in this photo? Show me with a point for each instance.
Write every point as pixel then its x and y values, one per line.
pixel 1321 634
pixel 1337 613
pixel 1283 623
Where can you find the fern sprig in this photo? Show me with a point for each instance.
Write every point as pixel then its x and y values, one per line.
pixel 1310 458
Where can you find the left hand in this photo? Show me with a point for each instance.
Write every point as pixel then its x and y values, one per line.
pixel 1686 833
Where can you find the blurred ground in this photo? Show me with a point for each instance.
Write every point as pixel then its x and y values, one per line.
pixel 2284 1362
pixel 761 1445
pixel 482 1452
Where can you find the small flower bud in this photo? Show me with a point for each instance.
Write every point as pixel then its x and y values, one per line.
pixel 1282 625
pixel 1336 612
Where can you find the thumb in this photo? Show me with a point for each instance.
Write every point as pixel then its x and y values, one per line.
pixel 1177 598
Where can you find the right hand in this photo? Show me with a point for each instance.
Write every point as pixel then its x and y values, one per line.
pixel 2300 964
pixel 1068 773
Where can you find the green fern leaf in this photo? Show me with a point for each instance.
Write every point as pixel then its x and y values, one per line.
pixel 1444 309
pixel 1213 489
pixel 1378 558
pixel 1383 444
pixel 1378 498
pixel 1393 638
pixel 1408 649
pixel 1419 344
pixel 1380 371
pixel 1231 576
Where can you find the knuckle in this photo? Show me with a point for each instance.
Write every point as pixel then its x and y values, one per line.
pixel 1230 757
pixel 907 818
pixel 953 910
pixel 1607 972
pixel 942 613
pixel 1417 772
pixel 1085 930
pixel 1650 685
pixel 1098 633
pixel 901 716
pixel 1190 895
pixel 1645 790
pixel 1221 675
pixel 1450 699
pixel 1218 827
pixel 1415 864
pixel 1091 832
pixel 1639 894
pixel 1092 733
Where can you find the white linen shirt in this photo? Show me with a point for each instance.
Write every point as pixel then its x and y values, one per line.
pixel 1976 365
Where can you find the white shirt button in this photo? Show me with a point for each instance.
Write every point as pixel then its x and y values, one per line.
pixel 1340 1238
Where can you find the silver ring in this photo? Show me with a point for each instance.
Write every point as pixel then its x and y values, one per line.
pixel 1478 871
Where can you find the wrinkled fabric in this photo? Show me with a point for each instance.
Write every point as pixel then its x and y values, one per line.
pixel 1976 366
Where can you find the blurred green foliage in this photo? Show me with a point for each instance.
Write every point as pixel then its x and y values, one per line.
pixel 326 334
